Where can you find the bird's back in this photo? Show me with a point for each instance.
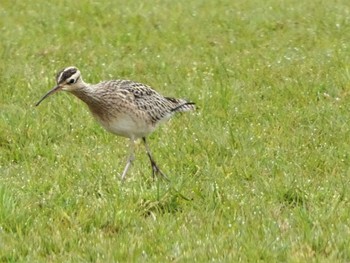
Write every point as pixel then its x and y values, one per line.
pixel 143 98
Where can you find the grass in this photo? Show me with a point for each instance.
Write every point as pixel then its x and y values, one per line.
pixel 259 173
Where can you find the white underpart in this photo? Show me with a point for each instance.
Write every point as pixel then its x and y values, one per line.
pixel 166 117
pixel 128 127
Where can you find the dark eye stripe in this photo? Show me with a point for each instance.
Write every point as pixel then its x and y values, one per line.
pixel 65 74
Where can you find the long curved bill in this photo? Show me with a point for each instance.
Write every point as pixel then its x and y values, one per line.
pixel 54 90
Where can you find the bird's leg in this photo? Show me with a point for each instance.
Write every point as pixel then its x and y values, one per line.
pixel 155 168
pixel 130 159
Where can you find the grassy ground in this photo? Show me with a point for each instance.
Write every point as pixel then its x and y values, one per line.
pixel 259 173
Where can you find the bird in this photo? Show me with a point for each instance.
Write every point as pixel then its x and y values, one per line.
pixel 123 107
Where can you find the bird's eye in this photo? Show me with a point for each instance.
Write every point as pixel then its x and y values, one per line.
pixel 71 81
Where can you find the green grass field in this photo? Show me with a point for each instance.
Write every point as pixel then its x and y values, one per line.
pixel 260 173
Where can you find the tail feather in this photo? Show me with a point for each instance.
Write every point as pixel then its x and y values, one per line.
pixel 181 105
pixel 186 106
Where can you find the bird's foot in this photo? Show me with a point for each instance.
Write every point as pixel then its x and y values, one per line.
pixel 156 170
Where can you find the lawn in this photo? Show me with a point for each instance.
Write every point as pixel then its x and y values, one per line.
pixel 259 173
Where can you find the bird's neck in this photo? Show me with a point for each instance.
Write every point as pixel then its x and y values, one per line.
pixel 90 96
pixel 85 92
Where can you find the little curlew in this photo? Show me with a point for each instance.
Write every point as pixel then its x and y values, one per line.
pixel 123 107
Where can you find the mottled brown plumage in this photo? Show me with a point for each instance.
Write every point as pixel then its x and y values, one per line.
pixel 122 107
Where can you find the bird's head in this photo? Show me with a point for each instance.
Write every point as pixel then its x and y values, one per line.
pixel 68 79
